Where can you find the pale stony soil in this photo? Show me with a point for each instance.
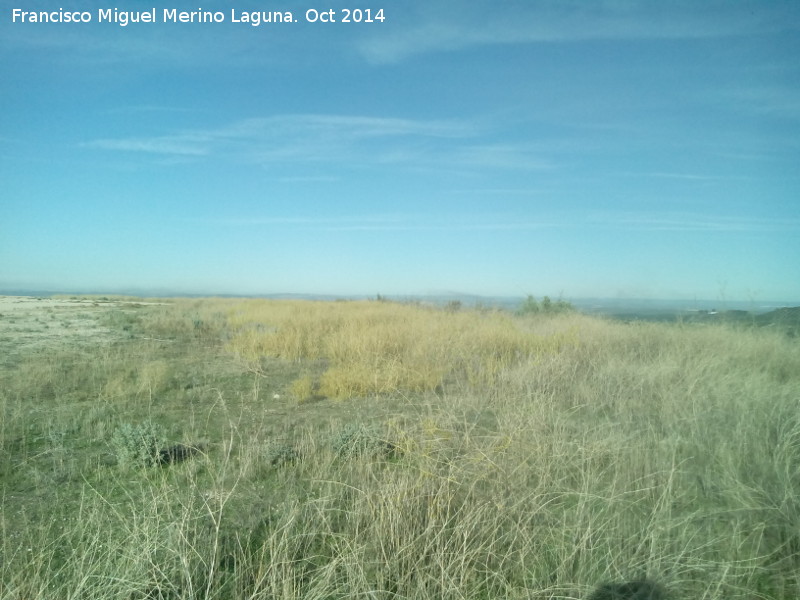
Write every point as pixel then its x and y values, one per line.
pixel 29 324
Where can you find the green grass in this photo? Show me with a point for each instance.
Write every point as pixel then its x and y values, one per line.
pixel 542 455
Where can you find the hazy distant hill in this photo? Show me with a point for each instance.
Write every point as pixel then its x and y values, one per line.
pixel 786 318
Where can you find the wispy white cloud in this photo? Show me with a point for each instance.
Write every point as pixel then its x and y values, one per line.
pixel 150 108
pixel 676 175
pixel 689 222
pixel 350 141
pixel 502 156
pixel 764 100
pixel 288 136
pixel 177 145
pixel 447 26
pixel 668 221
pixel 442 226
pixel 101 47
pixel 308 179
pixel 499 191
pixel 313 221
pixel 395 222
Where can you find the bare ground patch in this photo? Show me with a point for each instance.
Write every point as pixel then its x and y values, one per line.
pixel 29 324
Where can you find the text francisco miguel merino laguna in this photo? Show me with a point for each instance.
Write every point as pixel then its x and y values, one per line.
pixel 172 15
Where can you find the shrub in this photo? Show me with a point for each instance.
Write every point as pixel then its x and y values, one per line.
pixel 531 306
pixel 138 445
pixel 279 454
pixel 357 440
pixel 528 306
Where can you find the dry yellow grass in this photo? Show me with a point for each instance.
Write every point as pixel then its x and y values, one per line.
pixel 370 348
pixel 521 458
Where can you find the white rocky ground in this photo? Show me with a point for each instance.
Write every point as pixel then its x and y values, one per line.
pixel 28 323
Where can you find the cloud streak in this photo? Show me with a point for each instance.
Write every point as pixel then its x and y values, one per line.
pixel 668 221
pixel 393 222
pixel 341 140
pixel 693 222
pixel 450 26
pixel 170 145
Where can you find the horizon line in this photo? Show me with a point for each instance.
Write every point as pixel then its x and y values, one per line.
pixel 23 292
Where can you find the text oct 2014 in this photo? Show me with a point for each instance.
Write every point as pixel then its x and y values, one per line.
pixel 171 15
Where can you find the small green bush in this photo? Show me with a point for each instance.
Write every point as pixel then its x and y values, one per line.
pixel 360 440
pixel 528 306
pixel 279 454
pixel 138 445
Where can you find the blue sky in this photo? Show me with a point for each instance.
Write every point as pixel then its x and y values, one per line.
pixel 616 148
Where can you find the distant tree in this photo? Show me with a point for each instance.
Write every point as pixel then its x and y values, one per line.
pixel 531 306
pixel 528 306
pixel 563 306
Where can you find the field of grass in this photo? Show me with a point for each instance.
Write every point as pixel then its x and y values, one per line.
pixel 252 449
